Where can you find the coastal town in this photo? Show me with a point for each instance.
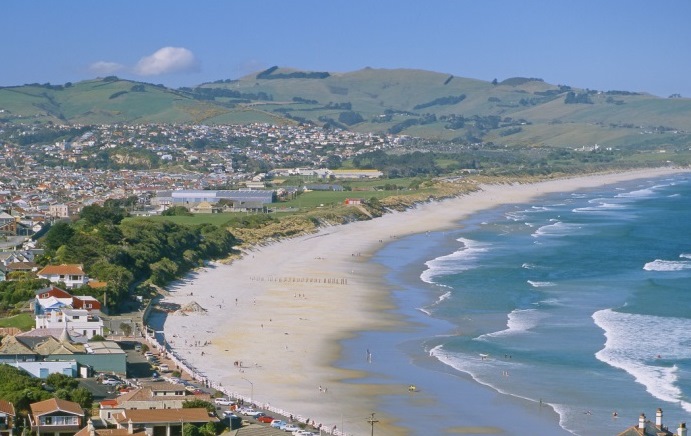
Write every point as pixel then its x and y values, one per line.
pixel 43 181
pixel 117 356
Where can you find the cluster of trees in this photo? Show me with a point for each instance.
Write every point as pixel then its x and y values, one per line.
pixel 517 81
pixel 574 98
pixel 399 165
pixel 21 389
pixel 117 94
pixel 304 100
pixel 350 118
pixel 20 288
pixel 441 101
pixel 124 252
pixel 214 93
pixel 269 74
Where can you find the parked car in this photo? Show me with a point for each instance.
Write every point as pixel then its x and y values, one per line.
pixel 255 413
pixel 277 423
pixel 290 428
pixel 303 433
pixel 163 367
pixel 149 354
pixel 110 381
pixel 246 411
pixel 138 347
pixel 223 401
pixel 266 419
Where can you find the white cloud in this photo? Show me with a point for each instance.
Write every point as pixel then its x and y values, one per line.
pixel 103 67
pixel 167 60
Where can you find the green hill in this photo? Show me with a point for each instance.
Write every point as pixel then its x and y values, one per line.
pixel 514 111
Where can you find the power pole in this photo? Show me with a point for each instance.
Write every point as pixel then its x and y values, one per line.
pixel 372 421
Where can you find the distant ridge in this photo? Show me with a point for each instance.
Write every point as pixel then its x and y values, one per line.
pixel 516 111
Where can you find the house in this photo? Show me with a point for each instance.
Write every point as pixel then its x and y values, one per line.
pixel 72 275
pixel 41 352
pixel 647 428
pixel 55 417
pixel 53 298
pixel 7 416
pixel 90 430
pixel 79 321
pixel 8 224
pixel 162 421
pixel 60 211
pixel 158 395
pixel 353 201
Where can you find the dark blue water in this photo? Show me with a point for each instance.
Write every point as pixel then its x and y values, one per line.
pixel 579 300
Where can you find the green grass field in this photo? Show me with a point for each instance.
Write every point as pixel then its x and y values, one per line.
pixel 23 321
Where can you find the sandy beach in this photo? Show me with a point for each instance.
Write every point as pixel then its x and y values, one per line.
pixel 275 319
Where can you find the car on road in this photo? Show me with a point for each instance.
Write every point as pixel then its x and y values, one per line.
pixel 266 419
pixel 138 347
pixel 255 413
pixel 223 401
pixel 277 423
pixel 247 411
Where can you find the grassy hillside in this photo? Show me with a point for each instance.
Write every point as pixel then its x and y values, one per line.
pixel 515 111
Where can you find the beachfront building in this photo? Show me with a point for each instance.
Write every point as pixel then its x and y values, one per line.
pixel 77 321
pixel 162 421
pixel 158 395
pixel 646 428
pixel 52 298
pixel 55 417
pixel 72 275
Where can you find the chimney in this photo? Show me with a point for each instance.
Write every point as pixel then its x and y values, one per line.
pixel 130 427
pixel 90 428
pixel 681 431
pixel 641 421
pixel 658 418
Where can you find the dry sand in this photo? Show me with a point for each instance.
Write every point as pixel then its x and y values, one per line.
pixel 282 309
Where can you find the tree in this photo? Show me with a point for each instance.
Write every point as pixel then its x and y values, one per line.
pixel 126 328
pixel 62 381
pixel 59 234
pixel 83 397
pixel 198 404
pixel 190 430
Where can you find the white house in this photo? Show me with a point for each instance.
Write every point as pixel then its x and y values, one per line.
pixel 79 321
pixel 72 275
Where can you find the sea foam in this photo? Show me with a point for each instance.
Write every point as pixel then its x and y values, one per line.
pixel 644 346
pixel 667 265
pixel 460 260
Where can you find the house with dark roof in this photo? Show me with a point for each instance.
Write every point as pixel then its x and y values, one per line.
pixel 158 395
pixel 646 428
pixel 55 417
pixel 7 417
pixel 162 421
pixel 90 430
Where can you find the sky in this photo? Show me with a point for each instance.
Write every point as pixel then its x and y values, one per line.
pixel 632 45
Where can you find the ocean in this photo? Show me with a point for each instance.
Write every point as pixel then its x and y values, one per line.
pixel 579 302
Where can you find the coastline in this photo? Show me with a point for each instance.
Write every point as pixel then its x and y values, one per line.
pixel 299 300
